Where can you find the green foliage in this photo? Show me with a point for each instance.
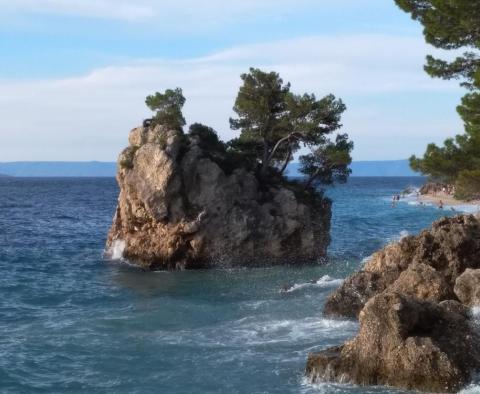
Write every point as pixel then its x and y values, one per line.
pixel 467 186
pixel 448 24
pixel 328 163
pixel 275 123
pixel 168 107
pixel 452 24
pixel 227 158
pixel 208 137
pixel 260 106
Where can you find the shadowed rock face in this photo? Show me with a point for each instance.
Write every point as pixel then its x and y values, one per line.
pixel 425 266
pixel 406 343
pixel 178 209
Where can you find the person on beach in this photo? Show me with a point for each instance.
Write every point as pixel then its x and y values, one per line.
pixel 440 204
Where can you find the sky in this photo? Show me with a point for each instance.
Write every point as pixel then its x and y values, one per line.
pixel 74 74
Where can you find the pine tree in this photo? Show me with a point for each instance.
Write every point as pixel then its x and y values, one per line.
pixel 453 25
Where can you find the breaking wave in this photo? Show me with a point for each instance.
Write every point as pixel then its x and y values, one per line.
pixel 115 252
pixel 324 282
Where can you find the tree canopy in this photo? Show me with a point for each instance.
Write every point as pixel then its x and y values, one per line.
pixel 168 107
pixel 453 25
pixel 274 124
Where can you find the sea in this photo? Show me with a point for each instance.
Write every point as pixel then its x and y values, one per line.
pixel 72 321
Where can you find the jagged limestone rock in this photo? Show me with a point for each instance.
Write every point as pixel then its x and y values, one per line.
pixel 406 343
pixel 414 332
pixel 439 255
pixel 178 208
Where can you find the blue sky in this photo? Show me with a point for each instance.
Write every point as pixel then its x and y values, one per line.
pixel 74 73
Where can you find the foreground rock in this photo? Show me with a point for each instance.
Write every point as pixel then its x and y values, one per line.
pixel 412 299
pixel 425 266
pixel 467 287
pixel 178 208
pixel 406 343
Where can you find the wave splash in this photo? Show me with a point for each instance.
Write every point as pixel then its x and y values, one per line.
pixel 115 252
pixel 325 281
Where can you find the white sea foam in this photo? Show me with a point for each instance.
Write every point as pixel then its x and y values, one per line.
pixel 365 260
pixel 418 203
pixel 404 234
pixel 116 250
pixel 324 282
pixel 254 332
pixel 475 313
pixel 327 388
pixel 401 235
pixel 471 389
pixel 327 281
pixel 464 208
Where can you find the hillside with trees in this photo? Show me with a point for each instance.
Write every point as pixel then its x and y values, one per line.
pixel 453 25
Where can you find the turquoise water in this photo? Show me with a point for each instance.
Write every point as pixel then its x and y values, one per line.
pixel 72 322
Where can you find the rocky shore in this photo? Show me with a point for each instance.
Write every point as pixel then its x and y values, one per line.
pixel 181 207
pixel 412 300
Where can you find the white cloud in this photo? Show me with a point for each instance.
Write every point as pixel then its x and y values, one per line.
pixel 88 117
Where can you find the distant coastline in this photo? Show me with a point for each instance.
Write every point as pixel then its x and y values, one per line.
pixel 386 168
pixel 58 169
pixel 377 168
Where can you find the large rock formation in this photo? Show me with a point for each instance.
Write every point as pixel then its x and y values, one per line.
pixel 178 208
pixel 412 300
pixel 425 266
pixel 406 343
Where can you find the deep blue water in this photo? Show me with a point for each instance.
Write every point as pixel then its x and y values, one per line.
pixel 72 322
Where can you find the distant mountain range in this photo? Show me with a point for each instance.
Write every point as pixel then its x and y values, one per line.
pixel 371 168
pixel 108 169
pixel 58 169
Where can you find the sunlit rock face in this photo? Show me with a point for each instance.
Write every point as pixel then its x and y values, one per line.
pixel 178 208
pixel 425 266
pixel 467 287
pixel 407 343
pixel 413 301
